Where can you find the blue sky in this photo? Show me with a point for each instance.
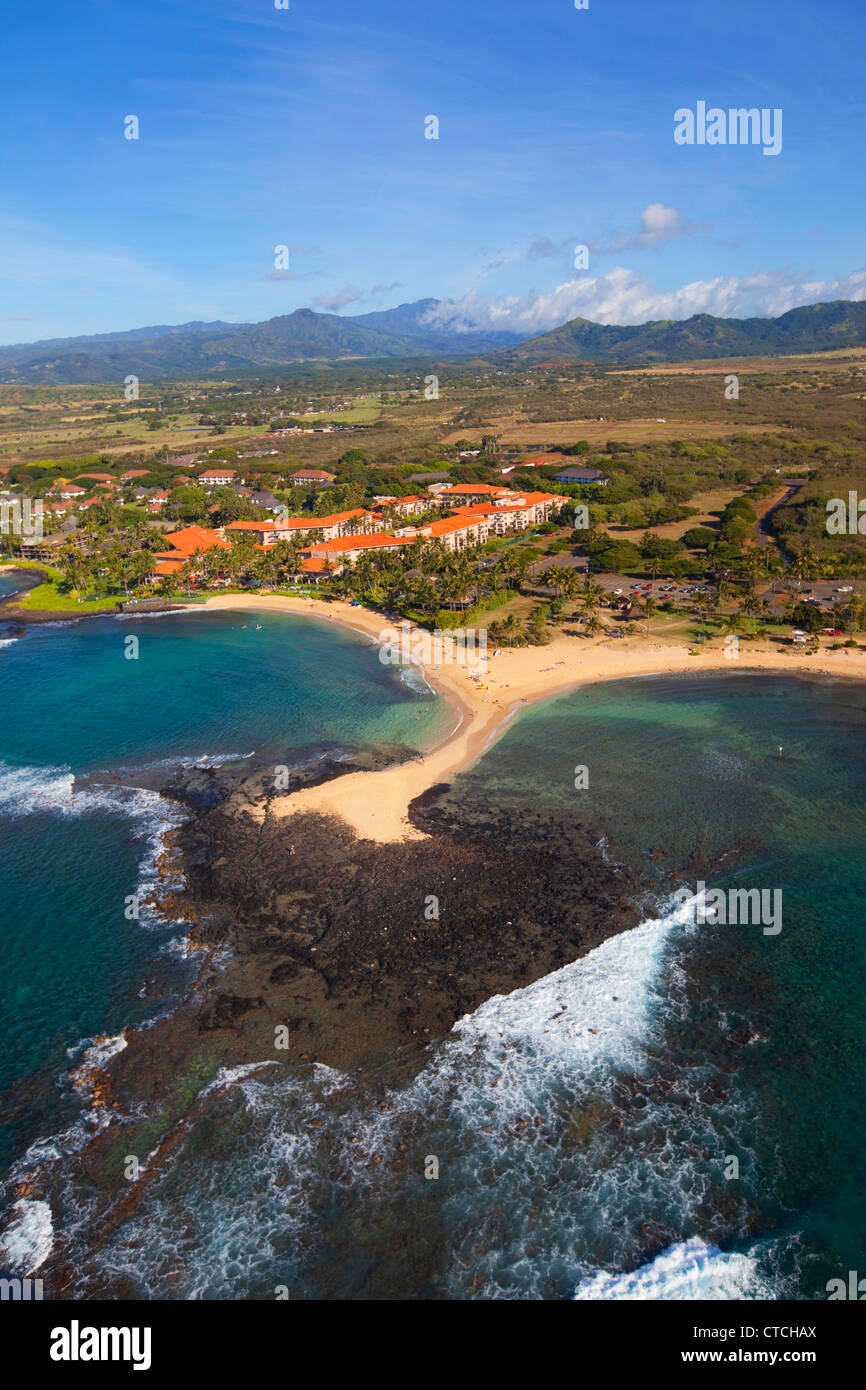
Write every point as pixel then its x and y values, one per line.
pixel 305 127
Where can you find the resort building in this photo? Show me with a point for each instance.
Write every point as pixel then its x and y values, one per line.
pixel 403 506
pixel 465 492
pixel 515 511
pixel 458 532
pixel 184 544
pixel 217 477
pixel 348 549
pixel 582 475
pixel 107 478
pixel 45 548
pixel 332 527
pixel 311 477
pixel 68 492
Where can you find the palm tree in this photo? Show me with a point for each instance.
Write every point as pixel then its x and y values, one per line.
pixel 569 583
pixel 510 631
pixel 805 565
pixel 733 623
pixel 649 608
pixel 774 568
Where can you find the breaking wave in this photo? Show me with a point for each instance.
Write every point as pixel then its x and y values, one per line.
pixel 552 1142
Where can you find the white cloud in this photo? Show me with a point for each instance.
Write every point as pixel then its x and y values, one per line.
pixel 659 224
pixel 623 297
pixel 349 294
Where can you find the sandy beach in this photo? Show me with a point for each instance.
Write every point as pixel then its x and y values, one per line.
pixel 375 804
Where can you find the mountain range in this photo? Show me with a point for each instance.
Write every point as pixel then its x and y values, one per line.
pixel 810 328
pixel 217 350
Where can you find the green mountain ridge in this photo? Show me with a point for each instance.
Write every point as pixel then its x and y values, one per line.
pixel 809 328
pixel 217 350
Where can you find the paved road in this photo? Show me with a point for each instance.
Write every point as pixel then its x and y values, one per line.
pixel 765 536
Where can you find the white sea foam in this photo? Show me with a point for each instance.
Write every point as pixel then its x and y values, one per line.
pixel 8 641
pixel 690 1270
pixel 413 676
pixel 100 1051
pixel 198 760
pixel 39 790
pixel 230 1076
pixel 541 1104
pixel 596 1008
pixel 133 616
pixel 28 1237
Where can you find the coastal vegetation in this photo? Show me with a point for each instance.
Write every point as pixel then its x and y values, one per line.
pixel 718 506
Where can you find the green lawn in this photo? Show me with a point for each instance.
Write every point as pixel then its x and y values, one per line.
pixel 365 409
pixel 48 598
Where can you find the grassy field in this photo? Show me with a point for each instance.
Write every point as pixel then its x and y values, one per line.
pixel 49 596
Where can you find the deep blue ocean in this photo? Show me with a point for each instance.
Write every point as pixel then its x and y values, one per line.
pixel 204 687
pixel 682 1113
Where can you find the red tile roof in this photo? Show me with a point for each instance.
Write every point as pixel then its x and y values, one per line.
pixel 376 541
pixel 192 538
pixel 473 490
pixel 449 524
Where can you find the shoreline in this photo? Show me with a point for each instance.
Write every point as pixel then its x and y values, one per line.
pixel 333 943
pixel 516 678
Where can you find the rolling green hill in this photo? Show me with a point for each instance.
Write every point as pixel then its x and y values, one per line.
pixel 812 328
pixel 217 350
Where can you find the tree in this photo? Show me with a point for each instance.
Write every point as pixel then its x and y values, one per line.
pixel 733 623
pixel 699 538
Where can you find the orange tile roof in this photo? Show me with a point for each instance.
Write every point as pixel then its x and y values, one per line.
pixel 474 489
pixel 449 524
pixel 299 523
pixel 341 516
pixel 192 538
pixel 522 501
pixel 401 502
pixel 378 539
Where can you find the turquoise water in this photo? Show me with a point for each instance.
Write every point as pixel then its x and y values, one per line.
pixel 695 1089
pixel 688 774
pixel 8 584
pixel 698 1087
pixel 203 686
